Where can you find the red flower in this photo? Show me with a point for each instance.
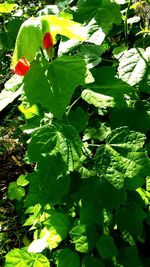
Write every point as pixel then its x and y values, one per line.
pixel 22 67
pixel 48 40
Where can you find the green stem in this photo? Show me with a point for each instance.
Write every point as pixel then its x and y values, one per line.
pixel 126 24
pixel 42 52
pixel 73 105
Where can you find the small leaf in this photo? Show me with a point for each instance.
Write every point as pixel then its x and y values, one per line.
pixel 84 237
pixel 15 191
pixel 106 247
pixel 6 7
pixel 22 181
pixel 56 229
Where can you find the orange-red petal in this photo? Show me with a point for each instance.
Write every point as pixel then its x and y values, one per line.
pixel 48 40
pixel 22 67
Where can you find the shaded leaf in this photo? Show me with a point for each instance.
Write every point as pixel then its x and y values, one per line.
pixel 51 139
pixel 110 92
pixel 106 247
pixel 131 218
pixel 106 13
pixel 90 260
pixel 48 186
pixel 67 258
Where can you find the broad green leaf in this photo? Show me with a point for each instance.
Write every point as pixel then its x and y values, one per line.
pixel 67 258
pixel 29 41
pixel 58 84
pixel 91 203
pixel 133 65
pixel 48 186
pixel 129 257
pixel 17 258
pixel 51 139
pixel 56 229
pixel 110 92
pixel 111 196
pixel 12 28
pixel 15 191
pixel 84 237
pixel 39 260
pixel 90 260
pixel 79 119
pixel 21 258
pixel 106 247
pixel 131 218
pixel 6 7
pixel 123 158
pixel 137 117
pixel 106 13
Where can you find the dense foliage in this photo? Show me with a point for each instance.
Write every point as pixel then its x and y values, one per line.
pixel 81 71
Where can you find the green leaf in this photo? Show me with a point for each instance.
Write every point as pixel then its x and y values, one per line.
pixel 131 218
pixel 48 186
pixel 129 257
pixel 105 13
pixel 6 7
pixel 123 158
pixel 67 258
pixel 133 65
pixel 51 139
pixel 137 117
pixel 63 76
pixel 15 191
pixel 84 237
pixel 106 247
pixel 90 260
pixel 106 92
pixel 91 53
pixel 91 203
pixel 78 118
pixel 28 42
pixel 12 27
pixel 21 258
pixel 111 196
pixel 22 181
pixel 56 229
